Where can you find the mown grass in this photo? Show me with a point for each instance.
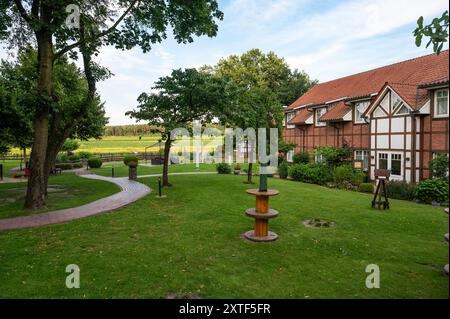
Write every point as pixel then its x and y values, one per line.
pixel 190 242
pixel 121 170
pixel 65 191
pixel 8 165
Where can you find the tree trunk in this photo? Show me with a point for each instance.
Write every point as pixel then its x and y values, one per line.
pixel 249 173
pixel 35 197
pixel 167 145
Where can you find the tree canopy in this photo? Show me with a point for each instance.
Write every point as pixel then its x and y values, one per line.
pixel 181 98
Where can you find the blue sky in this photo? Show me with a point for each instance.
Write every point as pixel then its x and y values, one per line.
pixel 326 38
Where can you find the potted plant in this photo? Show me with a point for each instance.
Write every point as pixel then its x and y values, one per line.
pixel 237 169
pixel 132 162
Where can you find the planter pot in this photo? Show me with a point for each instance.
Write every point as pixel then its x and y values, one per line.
pixel 237 172
pixel 418 201
pixel 132 173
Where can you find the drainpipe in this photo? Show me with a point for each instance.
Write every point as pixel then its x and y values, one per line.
pixel 413 138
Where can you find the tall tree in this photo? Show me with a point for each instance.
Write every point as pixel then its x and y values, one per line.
pixel 17 104
pixel 123 24
pixel 266 83
pixel 183 97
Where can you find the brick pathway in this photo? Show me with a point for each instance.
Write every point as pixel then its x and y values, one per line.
pixel 131 191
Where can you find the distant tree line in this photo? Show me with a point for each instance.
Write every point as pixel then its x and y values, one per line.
pixel 132 130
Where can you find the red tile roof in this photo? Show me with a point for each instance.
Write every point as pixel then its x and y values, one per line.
pixel 425 69
pixel 337 112
pixel 301 117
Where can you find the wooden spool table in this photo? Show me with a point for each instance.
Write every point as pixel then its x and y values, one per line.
pixel 262 213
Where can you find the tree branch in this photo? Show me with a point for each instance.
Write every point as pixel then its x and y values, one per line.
pixel 101 34
pixel 22 11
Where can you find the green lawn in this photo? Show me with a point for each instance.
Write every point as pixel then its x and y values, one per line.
pixel 190 242
pixel 8 165
pixel 120 170
pixel 67 190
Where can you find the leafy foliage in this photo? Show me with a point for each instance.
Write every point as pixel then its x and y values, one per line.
pixel 311 173
pixel 283 170
pixel 432 190
pixel 223 168
pixel 334 156
pixel 301 158
pixel 439 166
pixel 95 162
pixel 401 190
pixel 131 161
pixel 70 145
pixel 436 31
pixel 346 175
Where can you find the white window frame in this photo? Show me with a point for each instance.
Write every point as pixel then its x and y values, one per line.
pixel 389 162
pixel 362 155
pixel 359 119
pixel 436 103
pixel 288 118
pixel 316 111
pixel 290 156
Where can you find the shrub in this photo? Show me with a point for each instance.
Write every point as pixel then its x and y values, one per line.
pixel 346 175
pixel 62 158
pixel 301 158
pixel 73 158
pixel 85 155
pixel 283 170
pixel 401 190
pixel 95 162
pixel 439 166
pixel 64 166
pixel 223 168
pixel 237 167
pixel 77 165
pixel 333 156
pixel 131 161
pixel 366 188
pixel 310 173
pixel 432 190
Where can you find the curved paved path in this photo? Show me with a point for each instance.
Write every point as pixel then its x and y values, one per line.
pixel 131 191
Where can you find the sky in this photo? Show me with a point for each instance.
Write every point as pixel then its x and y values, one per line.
pixel 327 39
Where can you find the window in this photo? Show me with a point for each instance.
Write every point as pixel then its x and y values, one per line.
pixel 290 156
pixel 319 112
pixel 382 160
pixel 402 110
pixel 360 108
pixel 290 116
pixel 395 100
pixel 396 164
pixel 363 155
pixel 392 162
pixel 441 103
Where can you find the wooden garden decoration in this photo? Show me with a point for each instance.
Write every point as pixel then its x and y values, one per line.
pixel 381 175
pixel 261 213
